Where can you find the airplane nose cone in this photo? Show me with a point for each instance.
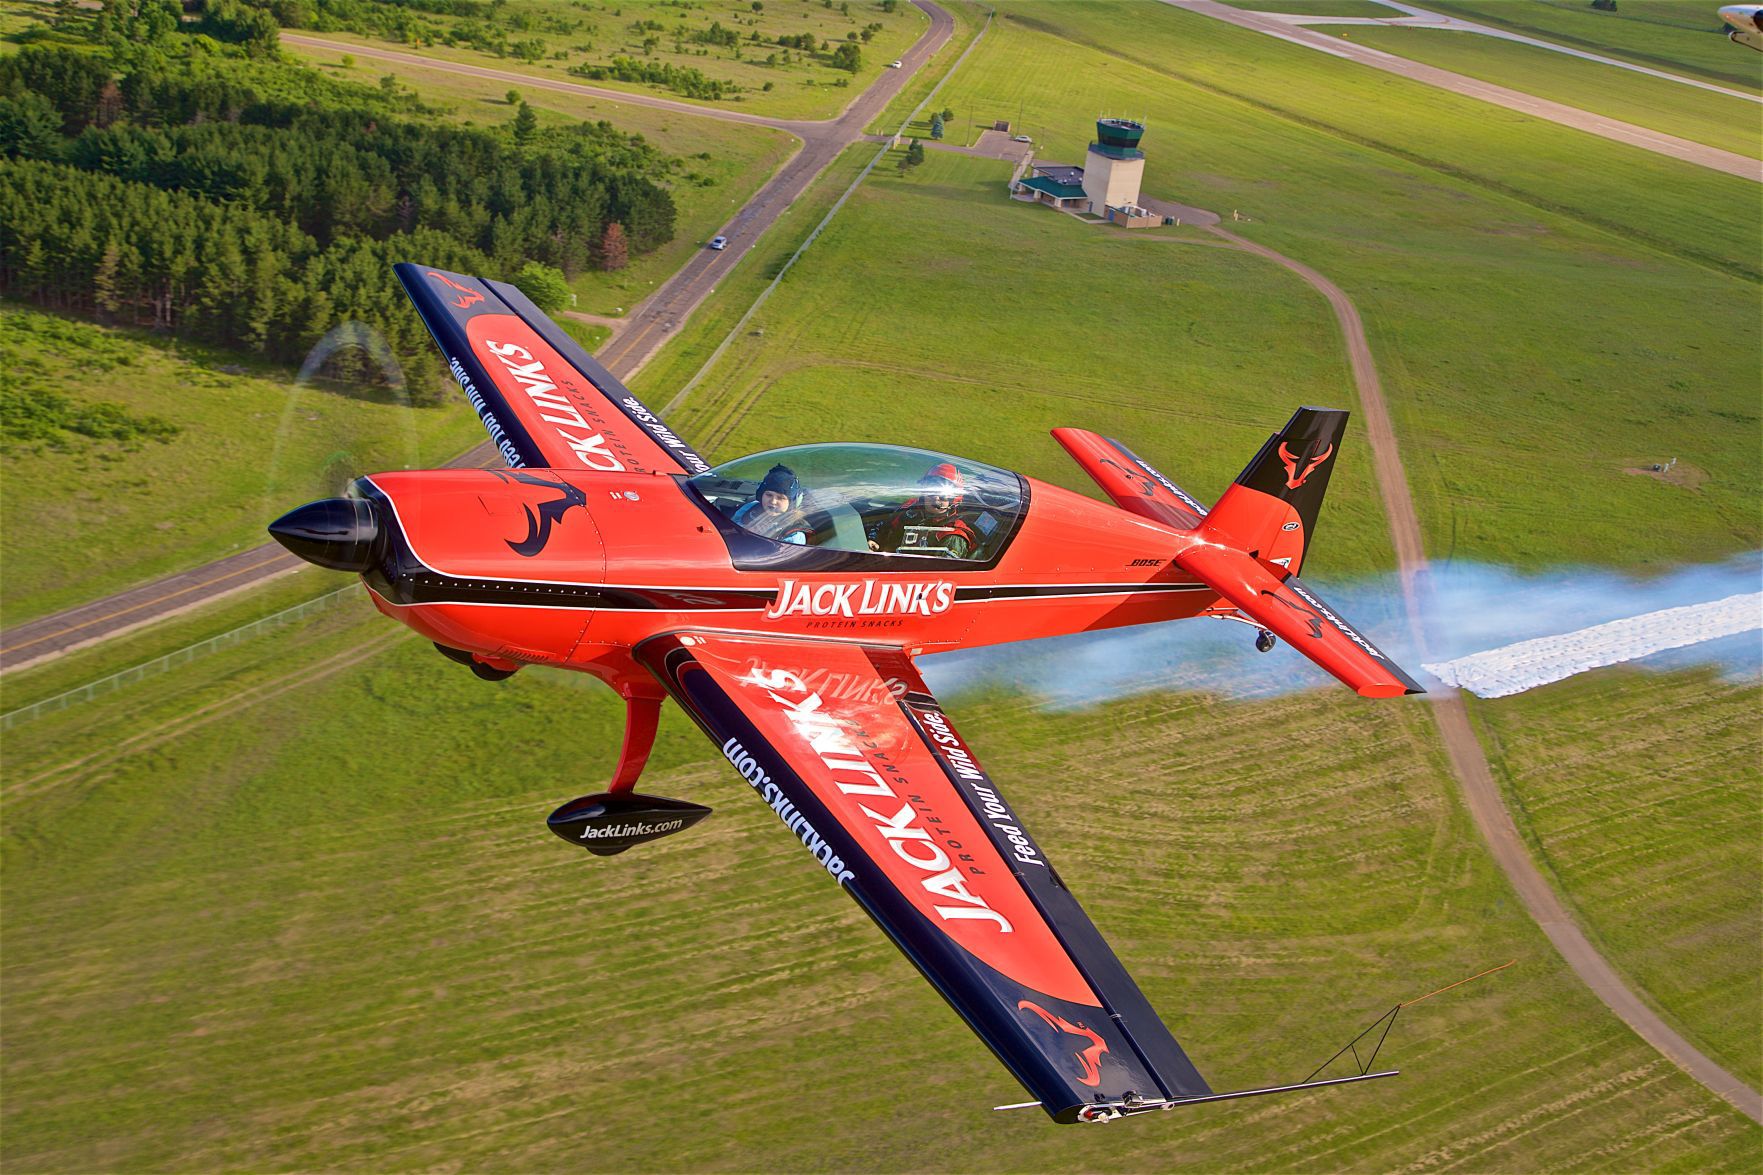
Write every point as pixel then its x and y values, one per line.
pixel 343 534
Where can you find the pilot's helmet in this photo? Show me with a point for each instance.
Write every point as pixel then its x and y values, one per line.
pixel 781 479
pixel 942 481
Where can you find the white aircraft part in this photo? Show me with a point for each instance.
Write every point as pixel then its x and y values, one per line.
pixel 1512 669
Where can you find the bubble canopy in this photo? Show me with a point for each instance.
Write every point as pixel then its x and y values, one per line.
pixel 870 499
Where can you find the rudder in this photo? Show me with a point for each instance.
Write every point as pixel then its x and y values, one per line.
pixel 1270 510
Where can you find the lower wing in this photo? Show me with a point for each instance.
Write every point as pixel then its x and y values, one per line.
pixel 851 750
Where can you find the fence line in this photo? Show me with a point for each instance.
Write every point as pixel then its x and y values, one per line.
pixel 183 656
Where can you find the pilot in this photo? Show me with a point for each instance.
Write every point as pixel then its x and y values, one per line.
pixel 776 509
pixel 929 524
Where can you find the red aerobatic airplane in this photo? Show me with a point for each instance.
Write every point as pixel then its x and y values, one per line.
pixel 780 600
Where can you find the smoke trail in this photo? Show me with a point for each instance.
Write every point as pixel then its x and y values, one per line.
pixel 1469 608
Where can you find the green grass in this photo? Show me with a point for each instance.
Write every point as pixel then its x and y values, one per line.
pixel 23 687
pixel 1732 124
pixel 1318 7
pixel 686 352
pixel 805 89
pixel 868 340
pixel 1681 36
pixel 1547 310
pixel 970 18
pixel 77 524
pixel 1641 797
pixel 274 942
pixel 721 164
pixel 865 335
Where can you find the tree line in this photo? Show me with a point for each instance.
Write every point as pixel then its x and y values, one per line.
pixel 255 210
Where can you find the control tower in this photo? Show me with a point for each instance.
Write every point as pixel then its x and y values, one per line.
pixel 1114 166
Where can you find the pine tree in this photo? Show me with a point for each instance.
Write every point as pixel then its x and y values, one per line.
pixel 526 124
pixel 936 126
pixel 614 252
pixel 104 280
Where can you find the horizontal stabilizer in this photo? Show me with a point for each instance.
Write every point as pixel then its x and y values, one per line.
pixel 1132 483
pixel 1295 614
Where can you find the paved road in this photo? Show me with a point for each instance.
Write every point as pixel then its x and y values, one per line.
pixel 638 337
pixel 1468 762
pixel 1570 116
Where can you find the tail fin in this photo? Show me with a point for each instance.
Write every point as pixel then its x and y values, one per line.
pixel 1270 511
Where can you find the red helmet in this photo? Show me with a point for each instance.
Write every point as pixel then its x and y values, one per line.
pixel 944 480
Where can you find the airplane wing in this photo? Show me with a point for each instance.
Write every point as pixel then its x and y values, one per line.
pixel 852 752
pixel 1132 483
pixel 545 401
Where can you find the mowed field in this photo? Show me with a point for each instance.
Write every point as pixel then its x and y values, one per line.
pixel 1437 262
pixel 1641 794
pixel 1719 120
pixel 1548 310
pixel 244 931
pixel 1684 36
pixel 873 337
pixel 77 524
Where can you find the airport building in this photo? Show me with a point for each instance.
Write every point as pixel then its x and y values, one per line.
pixel 1107 185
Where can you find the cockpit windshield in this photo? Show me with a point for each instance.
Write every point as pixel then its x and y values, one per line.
pixel 879 499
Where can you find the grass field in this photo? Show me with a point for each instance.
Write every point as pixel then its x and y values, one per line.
pixel 722 164
pixel 1438 262
pixel 292 906
pixel 1642 796
pixel 95 518
pixel 181 635
pixel 1732 124
pixel 256 939
pixel 1546 309
pixel 673 365
pixel 970 18
pixel 867 340
pixel 1683 36
pixel 804 86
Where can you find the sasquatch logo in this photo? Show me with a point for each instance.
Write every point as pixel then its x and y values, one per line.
pixel 467 298
pixel 1090 1058
pixel 549 514
pixel 1312 618
pixel 1294 479
pixel 1147 487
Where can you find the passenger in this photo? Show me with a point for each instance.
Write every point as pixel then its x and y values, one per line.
pixel 776 509
pixel 929 524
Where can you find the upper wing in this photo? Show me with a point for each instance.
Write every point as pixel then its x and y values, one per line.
pixel 545 400
pixel 1132 483
pixel 852 752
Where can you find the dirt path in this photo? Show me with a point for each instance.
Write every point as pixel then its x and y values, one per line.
pixel 635 339
pixel 1569 116
pixel 1468 763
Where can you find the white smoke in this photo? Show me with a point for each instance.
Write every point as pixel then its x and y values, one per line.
pixel 1466 608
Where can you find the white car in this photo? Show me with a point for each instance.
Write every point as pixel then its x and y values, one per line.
pixel 719 243
pixel 1020 139
pixel 893 65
